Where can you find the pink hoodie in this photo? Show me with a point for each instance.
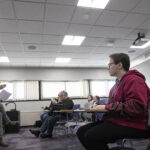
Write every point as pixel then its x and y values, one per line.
pixel 128 105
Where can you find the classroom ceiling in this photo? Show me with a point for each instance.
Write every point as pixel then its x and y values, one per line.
pixel 31 31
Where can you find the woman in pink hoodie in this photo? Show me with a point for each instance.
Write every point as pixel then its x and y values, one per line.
pixel 127 108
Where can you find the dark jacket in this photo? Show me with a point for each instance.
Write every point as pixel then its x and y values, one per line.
pixel 65 104
pixel 128 102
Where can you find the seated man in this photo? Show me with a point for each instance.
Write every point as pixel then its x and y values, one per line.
pixel 50 120
pixel 4 120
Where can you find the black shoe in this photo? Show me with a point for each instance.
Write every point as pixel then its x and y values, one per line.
pixel 43 135
pixel 35 132
pixel 3 144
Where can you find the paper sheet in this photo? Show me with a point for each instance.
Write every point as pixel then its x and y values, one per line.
pixel 4 95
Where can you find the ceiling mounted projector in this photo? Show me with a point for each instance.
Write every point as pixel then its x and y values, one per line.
pixel 141 41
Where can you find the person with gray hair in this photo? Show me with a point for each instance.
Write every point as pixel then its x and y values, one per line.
pixel 49 121
pixel 4 120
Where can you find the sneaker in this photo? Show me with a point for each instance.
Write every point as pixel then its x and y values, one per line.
pixel 35 132
pixel 43 135
pixel 13 123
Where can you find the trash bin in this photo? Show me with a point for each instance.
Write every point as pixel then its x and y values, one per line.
pixel 14 116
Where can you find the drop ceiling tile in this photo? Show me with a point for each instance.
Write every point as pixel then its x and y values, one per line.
pixel 146 24
pixel 74 55
pixel 32 64
pixel 5 64
pixel 32 60
pixel 133 20
pixel 117 50
pixel 29 11
pixel 40 54
pixel 65 2
pixel 102 50
pixel 31 38
pixel 109 32
pixel 30 27
pixel 2 53
pixel 14 54
pixel 51 48
pixel 8 25
pixel 75 49
pixel 86 15
pixel 18 64
pixel 76 29
pixel 46 65
pixel 110 18
pixel 6 10
pixel 63 15
pixel 52 39
pixel 9 38
pixel 94 41
pixel 55 28
pixel 122 5
pixel 143 7
pixel 47 60
pixel 123 43
pixel 12 47
pixel 34 1
pixel 16 60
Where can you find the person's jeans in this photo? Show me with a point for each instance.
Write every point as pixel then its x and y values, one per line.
pixel 44 116
pixel 49 123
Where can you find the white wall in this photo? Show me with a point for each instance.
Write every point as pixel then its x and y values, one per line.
pixel 144 68
pixel 53 73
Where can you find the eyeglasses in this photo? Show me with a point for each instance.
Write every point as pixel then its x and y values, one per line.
pixel 110 64
pixel 60 95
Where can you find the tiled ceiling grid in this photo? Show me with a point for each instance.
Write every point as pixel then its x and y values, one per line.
pixel 43 23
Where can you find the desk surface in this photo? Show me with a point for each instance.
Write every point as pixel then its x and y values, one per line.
pixel 71 111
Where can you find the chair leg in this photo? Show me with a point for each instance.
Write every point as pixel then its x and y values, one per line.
pixel 131 143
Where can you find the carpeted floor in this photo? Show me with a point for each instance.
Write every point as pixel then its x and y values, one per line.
pixel 25 141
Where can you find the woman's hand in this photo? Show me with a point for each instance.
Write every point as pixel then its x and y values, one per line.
pixel 98 108
pixel 2 86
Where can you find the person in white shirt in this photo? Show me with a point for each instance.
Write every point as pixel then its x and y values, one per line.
pixel 88 105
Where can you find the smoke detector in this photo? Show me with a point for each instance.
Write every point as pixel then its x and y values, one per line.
pixel 31 47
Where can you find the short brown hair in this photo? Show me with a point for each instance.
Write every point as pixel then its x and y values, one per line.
pixel 121 58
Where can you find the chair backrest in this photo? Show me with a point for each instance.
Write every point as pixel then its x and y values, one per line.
pixel 76 115
pixel 101 102
pixel 76 106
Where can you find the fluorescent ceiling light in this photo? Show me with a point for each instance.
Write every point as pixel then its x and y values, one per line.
pixel 4 59
pixel 141 47
pixel 62 60
pixel 93 3
pixel 73 40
